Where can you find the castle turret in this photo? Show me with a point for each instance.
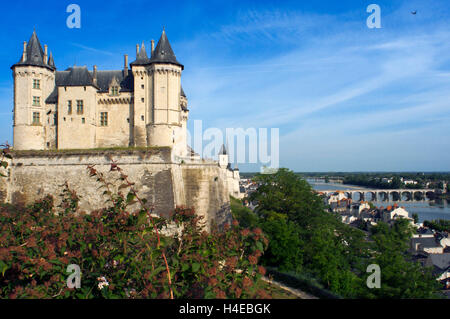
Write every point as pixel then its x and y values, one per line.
pixel 165 117
pixel 139 69
pixel 34 81
pixel 223 157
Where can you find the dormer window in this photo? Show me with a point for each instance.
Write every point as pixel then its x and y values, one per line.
pixel 114 87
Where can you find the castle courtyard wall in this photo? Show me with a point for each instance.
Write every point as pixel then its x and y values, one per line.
pixel 201 184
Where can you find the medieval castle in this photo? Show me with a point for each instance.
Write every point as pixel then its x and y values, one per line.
pixel 142 106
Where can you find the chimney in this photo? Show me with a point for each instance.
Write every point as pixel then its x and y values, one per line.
pixel 137 50
pixel 95 75
pixel 153 46
pixel 45 53
pixel 24 55
pixel 125 67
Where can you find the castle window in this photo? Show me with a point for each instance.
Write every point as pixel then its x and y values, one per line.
pixel 79 106
pixel 83 120
pixel 114 90
pixel 69 107
pixel 142 100
pixel 103 118
pixel 36 118
pixel 36 100
pixel 142 86
pixel 36 84
pixel 142 117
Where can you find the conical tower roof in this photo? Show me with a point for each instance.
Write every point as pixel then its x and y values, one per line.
pixel 163 52
pixel 223 150
pixel 35 54
pixel 51 62
pixel 142 58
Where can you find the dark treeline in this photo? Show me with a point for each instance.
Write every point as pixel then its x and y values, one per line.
pixel 439 225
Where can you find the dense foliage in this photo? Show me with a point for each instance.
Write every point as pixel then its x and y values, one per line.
pixel 306 239
pixel 377 182
pixel 439 225
pixel 123 253
pixel 401 278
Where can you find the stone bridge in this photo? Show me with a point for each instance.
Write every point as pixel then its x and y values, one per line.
pixel 387 194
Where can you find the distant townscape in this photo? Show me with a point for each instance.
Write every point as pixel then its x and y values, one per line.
pixel 430 245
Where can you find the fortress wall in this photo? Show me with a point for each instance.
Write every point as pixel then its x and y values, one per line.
pixel 32 175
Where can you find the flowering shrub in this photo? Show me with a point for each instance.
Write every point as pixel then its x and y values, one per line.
pixel 122 253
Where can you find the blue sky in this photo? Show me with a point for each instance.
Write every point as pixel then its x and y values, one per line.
pixel 345 97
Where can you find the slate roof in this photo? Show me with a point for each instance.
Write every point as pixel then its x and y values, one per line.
pixel 75 76
pixel 442 261
pixel 104 78
pixel 425 242
pixel 81 76
pixel 34 54
pixel 163 52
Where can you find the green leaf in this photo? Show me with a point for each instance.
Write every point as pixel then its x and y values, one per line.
pixel 195 267
pixel 130 197
pixel 3 267
pixel 259 246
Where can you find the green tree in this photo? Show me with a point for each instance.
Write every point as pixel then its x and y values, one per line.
pixel 396 182
pixel 295 216
pixel 400 277
pixel 285 243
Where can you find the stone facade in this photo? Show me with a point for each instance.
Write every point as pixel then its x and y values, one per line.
pixel 142 105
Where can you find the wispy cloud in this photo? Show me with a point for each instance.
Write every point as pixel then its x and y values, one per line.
pixel 348 84
pixel 91 49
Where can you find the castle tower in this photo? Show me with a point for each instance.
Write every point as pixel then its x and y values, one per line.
pixel 223 157
pixel 34 81
pixel 141 97
pixel 165 114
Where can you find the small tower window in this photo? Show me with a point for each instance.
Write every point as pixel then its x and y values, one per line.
pixel 142 100
pixel 103 118
pixel 36 100
pixel 142 117
pixel 69 107
pixel 80 107
pixel 142 86
pixel 83 120
pixel 114 90
pixel 36 118
pixel 36 84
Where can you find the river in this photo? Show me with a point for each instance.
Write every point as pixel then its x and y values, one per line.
pixel 426 210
